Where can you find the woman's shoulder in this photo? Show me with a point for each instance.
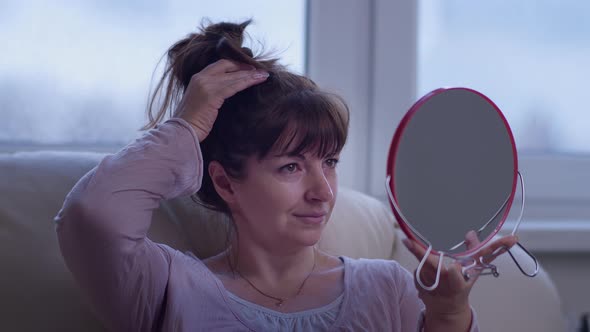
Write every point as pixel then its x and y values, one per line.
pixel 378 271
pixel 374 265
pixel 184 262
pixel 383 288
pixel 190 273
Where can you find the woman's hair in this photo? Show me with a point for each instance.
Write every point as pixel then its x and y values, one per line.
pixel 288 113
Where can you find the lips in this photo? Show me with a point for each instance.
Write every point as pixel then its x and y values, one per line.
pixel 311 218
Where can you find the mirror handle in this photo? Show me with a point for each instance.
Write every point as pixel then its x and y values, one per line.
pixel 438 269
pixel 522 195
pixel 528 254
pixel 516 229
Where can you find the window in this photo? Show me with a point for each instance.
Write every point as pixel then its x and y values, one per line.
pixel 78 73
pixel 529 57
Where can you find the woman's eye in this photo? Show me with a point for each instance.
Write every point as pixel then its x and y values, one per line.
pixel 290 168
pixel 332 162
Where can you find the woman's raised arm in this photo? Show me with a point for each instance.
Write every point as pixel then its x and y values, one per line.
pixel 103 224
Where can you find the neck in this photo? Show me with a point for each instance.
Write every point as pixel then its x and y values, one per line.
pixel 280 274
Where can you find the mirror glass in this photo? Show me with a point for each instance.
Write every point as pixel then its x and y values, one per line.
pixel 452 168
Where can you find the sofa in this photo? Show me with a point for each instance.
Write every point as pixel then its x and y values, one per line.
pixel 37 292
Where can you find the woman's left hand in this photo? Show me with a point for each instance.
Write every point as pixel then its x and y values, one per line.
pixel 449 302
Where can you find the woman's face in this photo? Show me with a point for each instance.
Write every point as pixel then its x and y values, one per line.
pixel 285 200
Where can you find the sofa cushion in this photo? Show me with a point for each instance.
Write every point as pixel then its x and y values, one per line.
pixel 41 292
pixel 33 186
pixel 360 226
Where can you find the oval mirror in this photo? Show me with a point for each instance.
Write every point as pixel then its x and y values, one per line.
pixel 453 168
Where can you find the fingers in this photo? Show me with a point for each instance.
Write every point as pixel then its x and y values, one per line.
pixel 471 240
pixel 497 248
pixel 225 66
pixel 418 251
pixel 208 90
pixel 225 78
pixel 471 272
pixel 489 254
pixel 429 271
pixel 243 82
pixel 460 278
pixel 452 275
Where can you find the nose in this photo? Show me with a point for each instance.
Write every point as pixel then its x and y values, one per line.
pixel 319 187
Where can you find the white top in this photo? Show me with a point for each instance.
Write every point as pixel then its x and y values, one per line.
pixel 135 284
pixel 319 319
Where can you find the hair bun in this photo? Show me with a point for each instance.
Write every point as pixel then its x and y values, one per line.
pixel 211 43
pixel 248 52
pixel 232 31
pixel 226 49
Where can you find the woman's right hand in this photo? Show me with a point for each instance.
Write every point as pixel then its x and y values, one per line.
pixel 209 88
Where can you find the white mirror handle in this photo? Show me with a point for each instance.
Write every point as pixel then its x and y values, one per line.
pixel 438 269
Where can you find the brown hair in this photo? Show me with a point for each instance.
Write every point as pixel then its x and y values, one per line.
pixel 287 113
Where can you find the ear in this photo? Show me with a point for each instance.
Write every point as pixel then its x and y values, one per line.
pixel 222 182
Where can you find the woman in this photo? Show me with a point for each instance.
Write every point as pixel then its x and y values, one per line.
pixel 260 144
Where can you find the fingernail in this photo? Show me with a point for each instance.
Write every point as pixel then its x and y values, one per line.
pixel 260 75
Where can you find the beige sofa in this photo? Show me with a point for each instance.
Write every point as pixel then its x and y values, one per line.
pixel 37 292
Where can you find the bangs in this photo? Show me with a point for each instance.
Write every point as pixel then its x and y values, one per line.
pixel 309 121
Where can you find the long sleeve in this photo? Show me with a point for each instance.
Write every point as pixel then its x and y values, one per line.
pixel 103 223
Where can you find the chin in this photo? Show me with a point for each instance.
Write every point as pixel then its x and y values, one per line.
pixel 310 237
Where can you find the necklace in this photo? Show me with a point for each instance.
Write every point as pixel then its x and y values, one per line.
pixel 280 300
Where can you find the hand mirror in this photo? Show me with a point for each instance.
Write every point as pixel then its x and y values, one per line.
pixel 452 168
